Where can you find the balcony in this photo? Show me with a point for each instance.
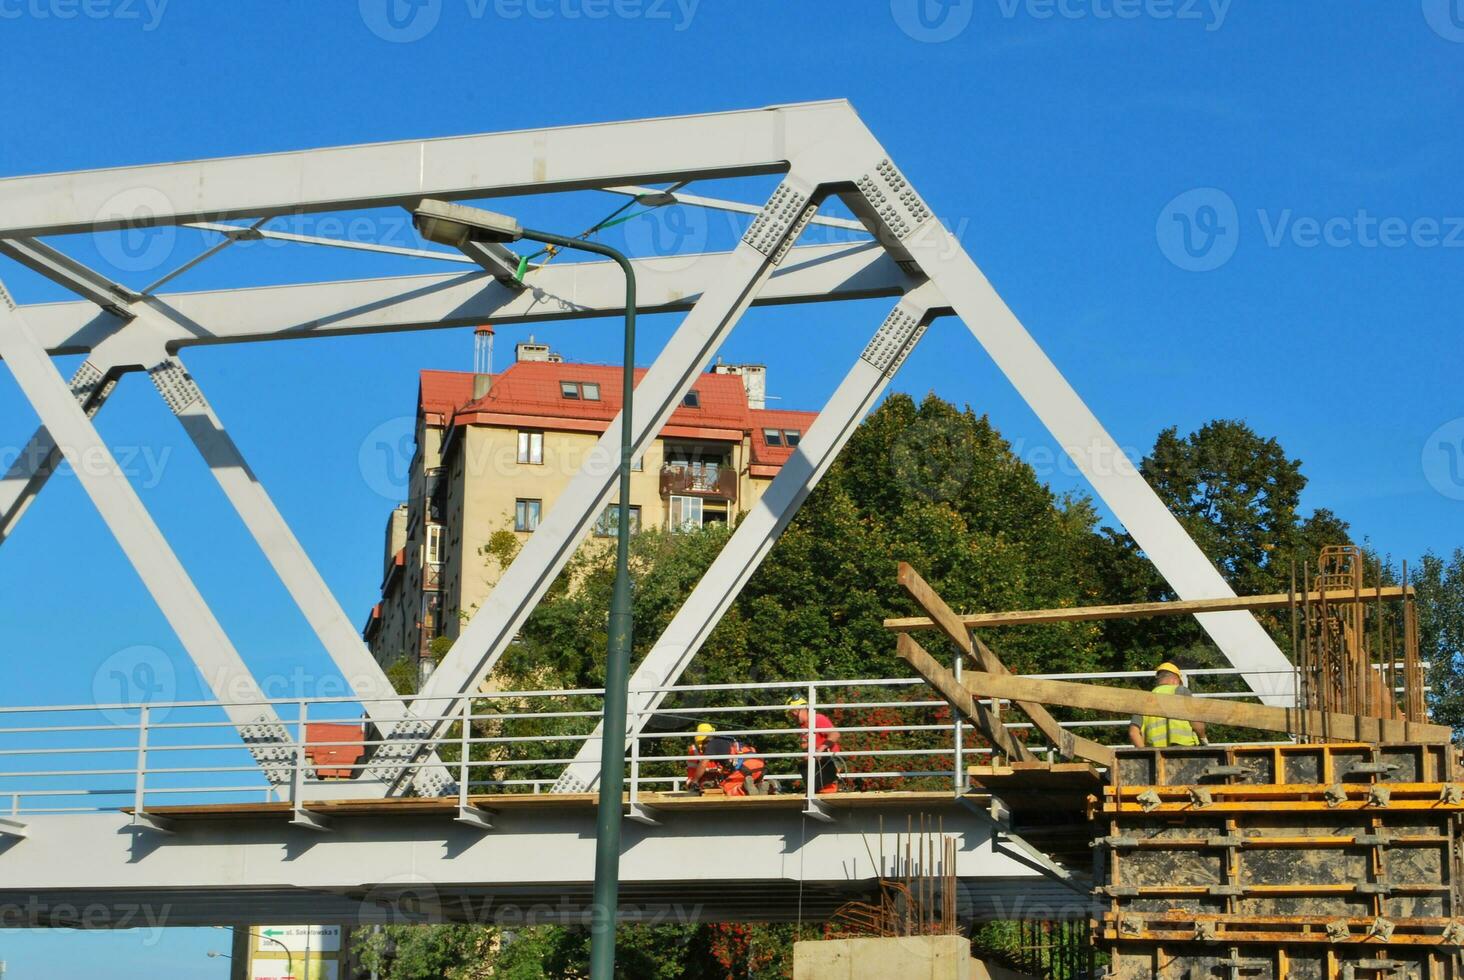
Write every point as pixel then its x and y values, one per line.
pixel 699 481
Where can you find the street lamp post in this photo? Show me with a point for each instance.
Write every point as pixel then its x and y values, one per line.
pixel 457 225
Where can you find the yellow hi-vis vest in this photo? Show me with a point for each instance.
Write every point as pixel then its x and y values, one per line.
pixel 1163 732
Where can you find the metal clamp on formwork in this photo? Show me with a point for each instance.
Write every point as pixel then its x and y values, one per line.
pixel 1335 795
pixel 1207 931
pixel 1223 772
pixel 1452 793
pixel 1200 797
pixel 1339 931
pixel 1382 968
pixel 1380 929
pixel 1116 842
pixel 1453 934
pixel 1380 769
pixel 1379 795
pixel 1149 800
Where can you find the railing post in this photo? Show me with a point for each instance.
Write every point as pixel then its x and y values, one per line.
pixel 960 730
pixel 811 730
pixel 465 742
pixel 138 790
pixel 297 778
pixel 635 752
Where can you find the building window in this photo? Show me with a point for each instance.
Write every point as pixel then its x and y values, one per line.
pixel 637 464
pixel 692 399
pixel 686 512
pixel 609 520
pixel 576 390
pixel 531 448
pixel 772 437
pixel 792 437
pixel 526 514
pixel 435 549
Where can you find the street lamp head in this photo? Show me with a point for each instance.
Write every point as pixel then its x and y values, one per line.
pixel 457 225
pixel 656 199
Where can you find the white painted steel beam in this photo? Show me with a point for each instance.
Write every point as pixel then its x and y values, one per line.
pixel 140 538
pixel 728 144
pixel 564 290
pixel 483 640
pixel 61 268
pixel 760 528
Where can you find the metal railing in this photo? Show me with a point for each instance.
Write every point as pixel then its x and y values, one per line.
pixel 893 735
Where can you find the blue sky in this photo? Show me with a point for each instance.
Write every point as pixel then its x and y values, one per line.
pixel 1201 210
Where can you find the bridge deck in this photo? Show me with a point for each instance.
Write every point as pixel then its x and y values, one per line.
pixel 500 802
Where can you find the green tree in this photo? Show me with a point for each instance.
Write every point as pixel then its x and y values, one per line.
pixel 1440 585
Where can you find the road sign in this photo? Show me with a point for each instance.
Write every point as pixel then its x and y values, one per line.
pixel 297 939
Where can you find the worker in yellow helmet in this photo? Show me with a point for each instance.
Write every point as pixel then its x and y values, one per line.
pixel 724 762
pixel 1154 732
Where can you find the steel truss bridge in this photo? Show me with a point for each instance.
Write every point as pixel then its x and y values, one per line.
pixel 820 152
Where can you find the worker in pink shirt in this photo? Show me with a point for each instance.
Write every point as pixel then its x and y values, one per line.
pixel 825 744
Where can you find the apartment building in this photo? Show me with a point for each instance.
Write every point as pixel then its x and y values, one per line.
pixel 495 451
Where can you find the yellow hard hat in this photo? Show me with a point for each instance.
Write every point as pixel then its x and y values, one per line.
pixel 797 702
pixel 1168 668
pixel 703 730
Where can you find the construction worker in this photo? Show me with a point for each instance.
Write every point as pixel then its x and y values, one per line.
pixel 1151 731
pixel 825 746
pixel 724 763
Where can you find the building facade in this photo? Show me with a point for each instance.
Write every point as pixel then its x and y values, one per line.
pixel 494 452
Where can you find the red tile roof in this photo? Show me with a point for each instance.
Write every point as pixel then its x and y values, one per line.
pixel 781 419
pixel 441 392
pixel 532 389
pixel 528 393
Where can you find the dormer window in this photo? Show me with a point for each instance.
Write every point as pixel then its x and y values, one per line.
pixel 580 390
pixel 692 399
pixel 792 437
pixel 773 437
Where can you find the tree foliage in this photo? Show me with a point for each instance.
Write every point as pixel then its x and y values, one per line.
pixel 1440 585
